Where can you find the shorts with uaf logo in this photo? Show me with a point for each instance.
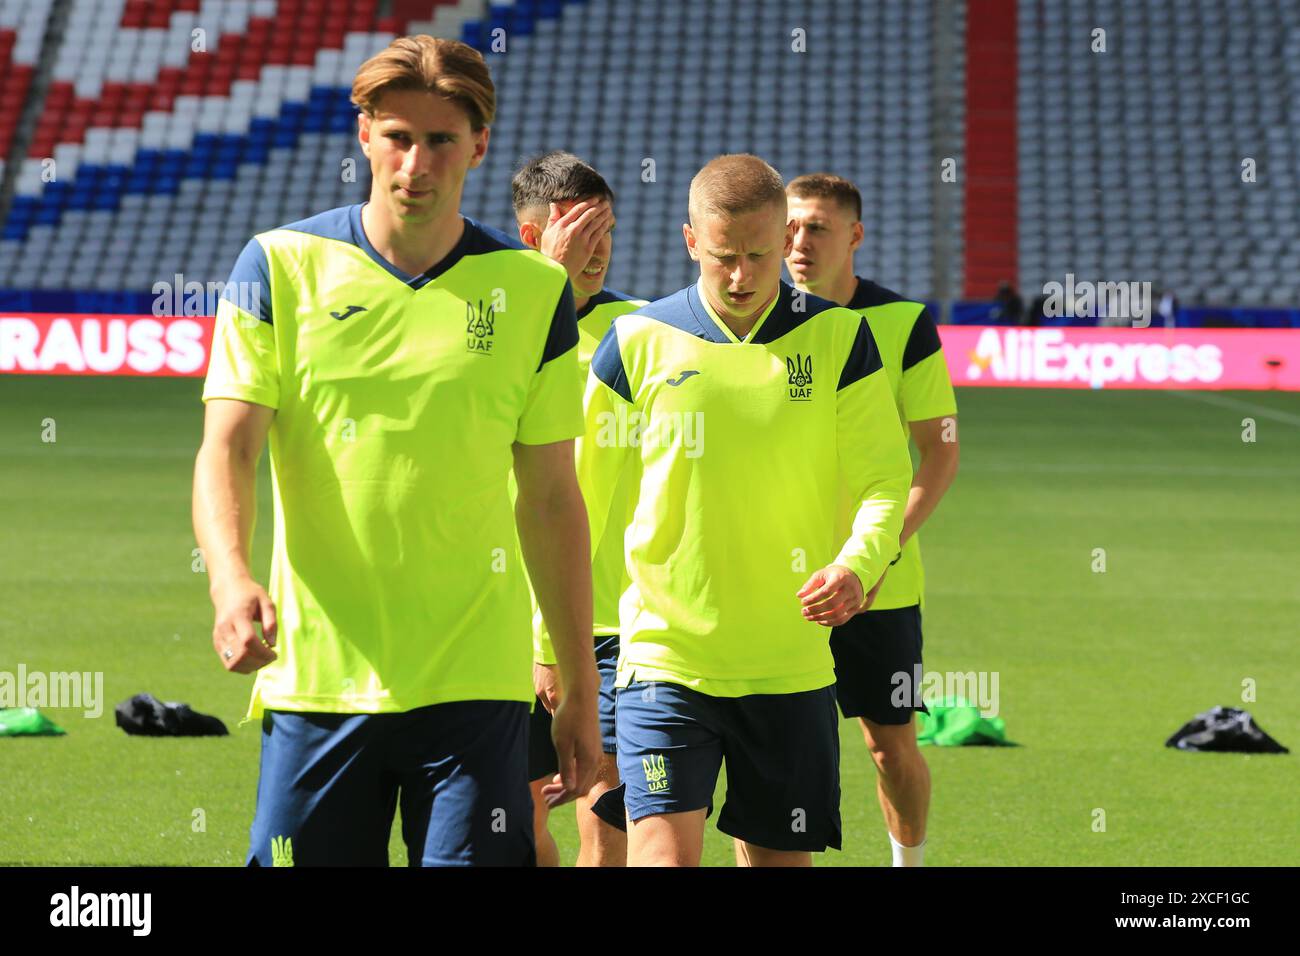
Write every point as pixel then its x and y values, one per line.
pixel 330 784
pixel 781 750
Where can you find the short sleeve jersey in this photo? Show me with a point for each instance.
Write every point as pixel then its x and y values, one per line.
pixel 397 401
pixel 740 448
pixel 912 355
pixel 608 576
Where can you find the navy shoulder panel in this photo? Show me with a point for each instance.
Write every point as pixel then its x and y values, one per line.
pixel 864 357
pixel 922 342
pixel 331 224
pixel 793 308
pixel 477 239
pixel 600 298
pixel 683 310
pixel 249 286
pixel 615 296
pixel 604 297
pixel 487 239
pixel 607 364
pixel 563 333
pixel 869 294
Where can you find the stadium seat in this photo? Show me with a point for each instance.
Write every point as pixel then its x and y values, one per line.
pixel 153 137
pixel 1185 92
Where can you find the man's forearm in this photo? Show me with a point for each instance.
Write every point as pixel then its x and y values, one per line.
pixel 556 545
pixel 225 504
pixel 933 478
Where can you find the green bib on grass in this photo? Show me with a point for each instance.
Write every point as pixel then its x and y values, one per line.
pixel 955 722
pixel 27 722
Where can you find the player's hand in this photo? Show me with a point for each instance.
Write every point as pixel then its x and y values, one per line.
pixel 871 595
pixel 831 596
pixel 576 735
pixel 546 682
pixel 570 238
pixel 238 605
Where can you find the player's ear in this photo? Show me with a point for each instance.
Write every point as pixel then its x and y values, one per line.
pixel 530 235
pixel 689 235
pixel 789 240
pixel 363 132
pixel 857 235
pixel 480 146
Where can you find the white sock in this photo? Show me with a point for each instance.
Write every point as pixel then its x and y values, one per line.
pixel 907 855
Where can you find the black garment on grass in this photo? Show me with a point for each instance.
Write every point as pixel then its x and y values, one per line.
pixel 147 716
pixel 1224 729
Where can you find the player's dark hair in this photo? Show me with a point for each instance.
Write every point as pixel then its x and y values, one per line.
pixel 828 186
pixel 556 176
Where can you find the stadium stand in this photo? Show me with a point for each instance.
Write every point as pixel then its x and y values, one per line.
pixel 1130 161
pixel 675 91
pixel 172 148
pixel 178 128
pixel 22 29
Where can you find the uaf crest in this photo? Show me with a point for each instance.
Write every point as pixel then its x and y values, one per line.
pixel 800 369
pixel 479 326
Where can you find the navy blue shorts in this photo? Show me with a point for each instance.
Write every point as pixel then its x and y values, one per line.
pixel 543 764
pixel 542 761
pixel 330 782
pixel 877 660
pixel 607 666
pixel 782 753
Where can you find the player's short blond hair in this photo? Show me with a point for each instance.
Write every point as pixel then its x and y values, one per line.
pixel 733 185
pixel 448 68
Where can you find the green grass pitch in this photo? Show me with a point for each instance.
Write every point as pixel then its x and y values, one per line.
pixel 1201 592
